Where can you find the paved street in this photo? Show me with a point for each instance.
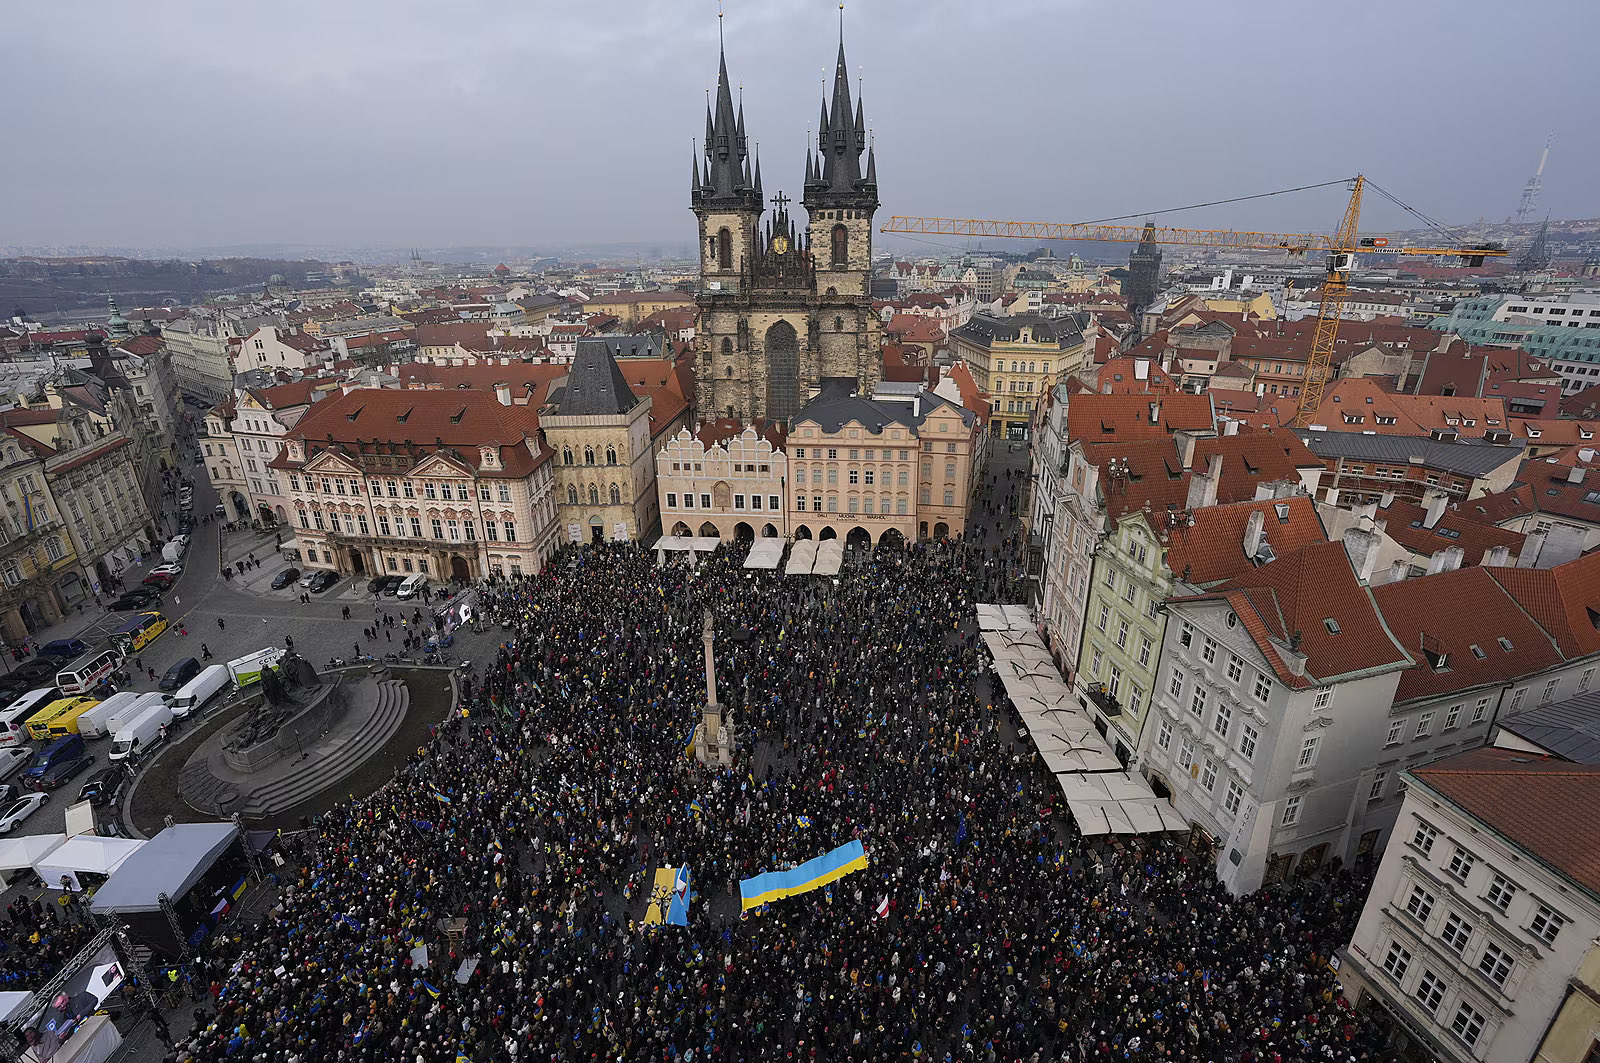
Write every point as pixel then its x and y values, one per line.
pixel 232 618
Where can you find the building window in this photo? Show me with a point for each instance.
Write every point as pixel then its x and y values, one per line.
pixel 1122 633
pixel 1308 752
pixel 672 500
pixel 1104 618
pixel 1461 863
pixel 511 531
pixel 361 522
pixel 491 531
pixel 1235 668
pixel 1197 703
pixel 1164 735
pixel 1145 646
pixel 1424 726
pixel 1495 964
pixel 1424 837
pixel 1263 688
pixel 1291 811
pixel 1233 798
pixel 1500 891
pixel 1456 933
pixel 416 527
pixel 772 503
pixel 1397 961
pixel 1429 991
pixel 1467 1025
pixel 705 501
pixel 1480 710
pixel 438 528
pixel 383 524
pixel 1420 904
pixel 1547 923
pixel 427 490
pixel 1397 730
pixel 1208 775
pixel 1223 721
pixel 1516 699
pixel 1185 633
pixel 1248 737
pixel 407 489
pixel 1208 651
pixel 316 518
pixel 1452 717
pixel 1379 780
pixel 1175 684
pixel 1186 754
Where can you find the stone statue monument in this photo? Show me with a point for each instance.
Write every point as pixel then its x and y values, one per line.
pixel 716 734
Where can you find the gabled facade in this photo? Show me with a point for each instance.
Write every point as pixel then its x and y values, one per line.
pixel 1268 710
pixel 728 487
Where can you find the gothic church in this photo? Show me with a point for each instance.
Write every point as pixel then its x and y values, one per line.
pixel 781 310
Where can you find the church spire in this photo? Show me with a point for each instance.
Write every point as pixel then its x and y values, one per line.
pixel 841 137
pixel 728 179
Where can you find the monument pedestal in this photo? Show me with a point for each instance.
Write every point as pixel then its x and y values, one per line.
pixel 714 738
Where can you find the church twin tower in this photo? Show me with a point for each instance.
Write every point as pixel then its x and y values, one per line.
pixel 779 312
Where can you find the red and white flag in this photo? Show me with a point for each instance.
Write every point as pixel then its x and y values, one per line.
pixel 883 907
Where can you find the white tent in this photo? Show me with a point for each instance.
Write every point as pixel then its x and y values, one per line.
pixel 87 854
pixel 765 553
pixel 18 853
pixel 802 558
pixel 694 545
pixel 830 558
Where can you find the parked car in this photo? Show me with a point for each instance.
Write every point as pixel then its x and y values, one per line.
pixel 284 578
pixel 179 674
pixel 65 649
pixel 12 760
pixel 37 671
pixel 138 598
pixel 322 580
pixel 21 810
pixel 104 786
pixel 385 585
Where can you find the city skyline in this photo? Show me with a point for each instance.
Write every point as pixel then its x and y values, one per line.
pixel 489 126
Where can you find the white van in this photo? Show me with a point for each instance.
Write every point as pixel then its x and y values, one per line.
pixel 14 717
pixel 199 690
pixel 142 733
pixel 97 722
pixel 412 585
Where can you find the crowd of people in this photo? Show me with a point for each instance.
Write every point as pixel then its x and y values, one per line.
pixel 489 904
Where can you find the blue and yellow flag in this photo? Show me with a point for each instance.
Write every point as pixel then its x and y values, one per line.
pixel 432 992
pixel 813 874
pixel 802 821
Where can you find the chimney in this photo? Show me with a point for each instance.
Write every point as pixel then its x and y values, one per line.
pixel 1385 500
pixel 502 393
pixel 1155 413
pixel 1447 560
pixel 1263 491
pixel 1586 454
pixel 1435 501
pixel 1398 570
pixel 1295 659
pixel 1331 496
pixel 1532 546
pixel 1362 549
pixel 1575 474
pixel 1499 557
pixel 1185 440
pixel 1203 485
pixel 1230 426
pixel 1254 530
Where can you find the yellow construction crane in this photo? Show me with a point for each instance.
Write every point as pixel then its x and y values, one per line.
pixel 1341 247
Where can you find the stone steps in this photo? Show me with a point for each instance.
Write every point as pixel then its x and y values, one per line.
pixel 316 775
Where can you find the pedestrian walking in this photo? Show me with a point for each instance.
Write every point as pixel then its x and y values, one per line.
pixel 220 625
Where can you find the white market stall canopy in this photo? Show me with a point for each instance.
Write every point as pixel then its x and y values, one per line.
pixel 765 553
pixel 1116 802
pixel 694 545
pixel 1004 618
pixel 87 854
pixel 830 557
pixel 802 558
pixel 18 853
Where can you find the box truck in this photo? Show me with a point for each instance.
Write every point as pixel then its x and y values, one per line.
pixel 247 669
pixel 196 692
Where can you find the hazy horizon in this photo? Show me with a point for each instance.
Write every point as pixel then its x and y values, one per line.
pixel 368 126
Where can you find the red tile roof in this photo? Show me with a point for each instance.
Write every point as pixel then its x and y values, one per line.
pixel 370 422
pixel 1314 595
pixel 1457 621
pixel 1212 550
pixel 1542 486
pixel 1126 376
pixel 1565 600
pixel 1410 415
pixel 1119 418
pixel 1404 524
pixel 1548 808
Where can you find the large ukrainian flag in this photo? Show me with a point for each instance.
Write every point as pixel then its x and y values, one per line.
pixel 813 874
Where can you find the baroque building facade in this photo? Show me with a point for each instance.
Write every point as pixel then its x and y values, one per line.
pixel 781 309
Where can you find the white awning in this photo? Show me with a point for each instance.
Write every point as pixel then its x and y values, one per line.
pixel 830 557
pixel 765 554
pixel 802 558
pixel 18 853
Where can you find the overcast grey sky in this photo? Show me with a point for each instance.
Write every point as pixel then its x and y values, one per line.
pixel 400 123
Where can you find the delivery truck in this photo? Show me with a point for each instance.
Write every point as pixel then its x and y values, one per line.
pixel 96 723
pixel 193 695
pixel 247 669
pixel 142 733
